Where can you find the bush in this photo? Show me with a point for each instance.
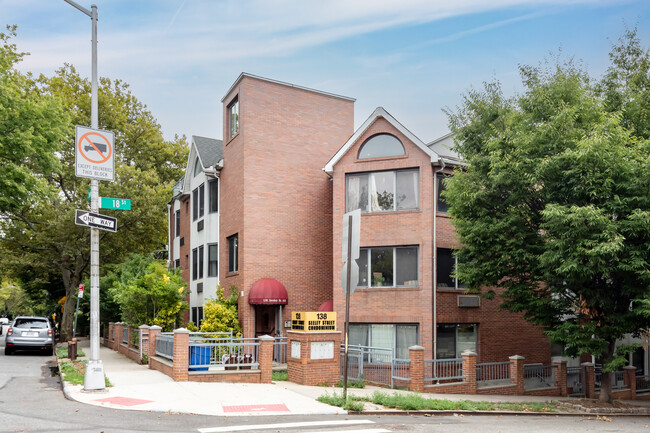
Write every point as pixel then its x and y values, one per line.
pixel 220 315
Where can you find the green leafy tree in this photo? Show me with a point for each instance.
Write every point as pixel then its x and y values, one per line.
pixel 148 293
pixel 41 244
pixel 220 314
pixel 32 127
pixel 13 300
pixel 554 209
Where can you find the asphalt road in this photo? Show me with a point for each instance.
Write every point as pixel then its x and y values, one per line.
pixel 31 401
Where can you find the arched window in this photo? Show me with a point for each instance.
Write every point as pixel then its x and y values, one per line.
pixel 381 145
pixel 197 167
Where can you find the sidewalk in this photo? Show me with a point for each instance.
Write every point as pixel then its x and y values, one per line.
pixel 136 387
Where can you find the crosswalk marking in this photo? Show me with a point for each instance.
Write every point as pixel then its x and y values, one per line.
pixel 287 425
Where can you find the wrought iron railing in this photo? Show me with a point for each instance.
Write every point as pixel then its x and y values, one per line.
pixel 493 372
pixel 538 376
pixel 443 369
pixel 643 384
pixel 372 364
pixel 280 345
pixel 165 345
pixel 125 335
pixel 574 380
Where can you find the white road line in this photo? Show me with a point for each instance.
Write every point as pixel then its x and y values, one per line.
pixel 368 430
pixel 284 425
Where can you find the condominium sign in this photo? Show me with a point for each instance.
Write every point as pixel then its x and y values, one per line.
pixel 94 153
pixel 313 321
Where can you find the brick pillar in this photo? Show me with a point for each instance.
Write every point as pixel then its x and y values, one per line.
pixel 181 355
pixel 629 379
pixel 117 338
pixel 560 375
pixel 589 380
pixel 153 332
pixel 517 372
pixel 143 329
pixel 265 358
pixel 302 368
pixel 469 371
pixel 416 368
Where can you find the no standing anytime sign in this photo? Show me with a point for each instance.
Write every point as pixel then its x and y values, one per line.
pixel 94 153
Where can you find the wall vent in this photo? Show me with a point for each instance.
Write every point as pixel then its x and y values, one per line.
pixel 469 301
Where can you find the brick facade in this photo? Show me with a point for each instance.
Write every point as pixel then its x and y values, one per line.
pixel 275 196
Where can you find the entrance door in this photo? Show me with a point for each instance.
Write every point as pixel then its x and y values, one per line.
pixel 265 320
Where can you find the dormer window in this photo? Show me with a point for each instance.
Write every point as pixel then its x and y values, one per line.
pixel 197 167
pixel 380 146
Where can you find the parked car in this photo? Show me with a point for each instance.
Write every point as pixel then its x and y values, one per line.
pixel 30 332
pixel 3 321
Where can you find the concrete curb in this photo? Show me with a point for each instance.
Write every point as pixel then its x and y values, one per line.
pixel 490 413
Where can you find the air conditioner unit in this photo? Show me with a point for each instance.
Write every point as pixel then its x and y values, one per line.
pixel 199 226
pixel 182 241
pixel 469 301
pixel 199 288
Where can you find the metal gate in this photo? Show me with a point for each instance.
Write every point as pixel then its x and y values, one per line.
pixel 370 364
pixel 575 379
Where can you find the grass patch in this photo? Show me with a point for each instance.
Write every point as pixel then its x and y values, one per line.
pixel 62 351
pixel 337 400
pixel 352 384
pixel 417 402
pixel 279 376
pixel 73 372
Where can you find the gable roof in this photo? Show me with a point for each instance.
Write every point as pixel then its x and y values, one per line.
pixel 210 150
pixel 445 147
pixel 379 112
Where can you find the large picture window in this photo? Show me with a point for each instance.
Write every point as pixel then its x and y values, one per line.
pixel 233 253
pixel 456 338
pixel 383 191
pixel 213 263
pixel 388 267
pixel 396 336
pixel 446 264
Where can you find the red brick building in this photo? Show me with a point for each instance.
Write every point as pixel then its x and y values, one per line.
pixel 292 166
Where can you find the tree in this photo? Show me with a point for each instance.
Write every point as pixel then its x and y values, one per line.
pixel 40 243
pixel 553 210
pixel 13 300
pixel 220 314
pixel 31 130
pixel 148 293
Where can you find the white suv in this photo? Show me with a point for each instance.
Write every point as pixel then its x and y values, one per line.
pixel 29 332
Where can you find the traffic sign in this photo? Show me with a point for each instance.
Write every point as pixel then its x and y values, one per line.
pixel 94 153
pixel 89 219
pixel 81 290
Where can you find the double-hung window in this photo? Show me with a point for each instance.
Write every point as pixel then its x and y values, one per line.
pixel 383 191
pixel 195 263
pixel 213 191
pixel 213 257
pixel 446 264
pixel 201 262
pixel 233 118
pixel 456 338
pixel 441 205
pixel 233 253
pixel 388 267
pixel 177 221
pixel 198 202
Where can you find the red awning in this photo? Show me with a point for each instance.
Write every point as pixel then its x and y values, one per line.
pixel 327 306
pixel 268 291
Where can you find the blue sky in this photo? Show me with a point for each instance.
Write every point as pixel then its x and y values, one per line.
pixel 413 57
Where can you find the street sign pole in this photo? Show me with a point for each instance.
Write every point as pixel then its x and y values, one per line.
pixel 347 310
pixel 94 376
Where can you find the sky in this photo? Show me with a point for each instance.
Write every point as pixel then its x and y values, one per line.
pixel 412 57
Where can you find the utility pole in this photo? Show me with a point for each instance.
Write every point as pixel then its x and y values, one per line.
pixel 94 376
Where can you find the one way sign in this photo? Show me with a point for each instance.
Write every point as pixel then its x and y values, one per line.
pixel 85 218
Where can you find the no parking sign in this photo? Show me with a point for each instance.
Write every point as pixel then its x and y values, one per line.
pixel 94 153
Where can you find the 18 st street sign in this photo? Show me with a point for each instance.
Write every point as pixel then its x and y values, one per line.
pixel 89 219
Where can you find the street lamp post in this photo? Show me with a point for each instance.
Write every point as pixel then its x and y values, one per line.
pixel 94 376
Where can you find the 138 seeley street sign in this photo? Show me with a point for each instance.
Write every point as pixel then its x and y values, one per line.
pixel 89 219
